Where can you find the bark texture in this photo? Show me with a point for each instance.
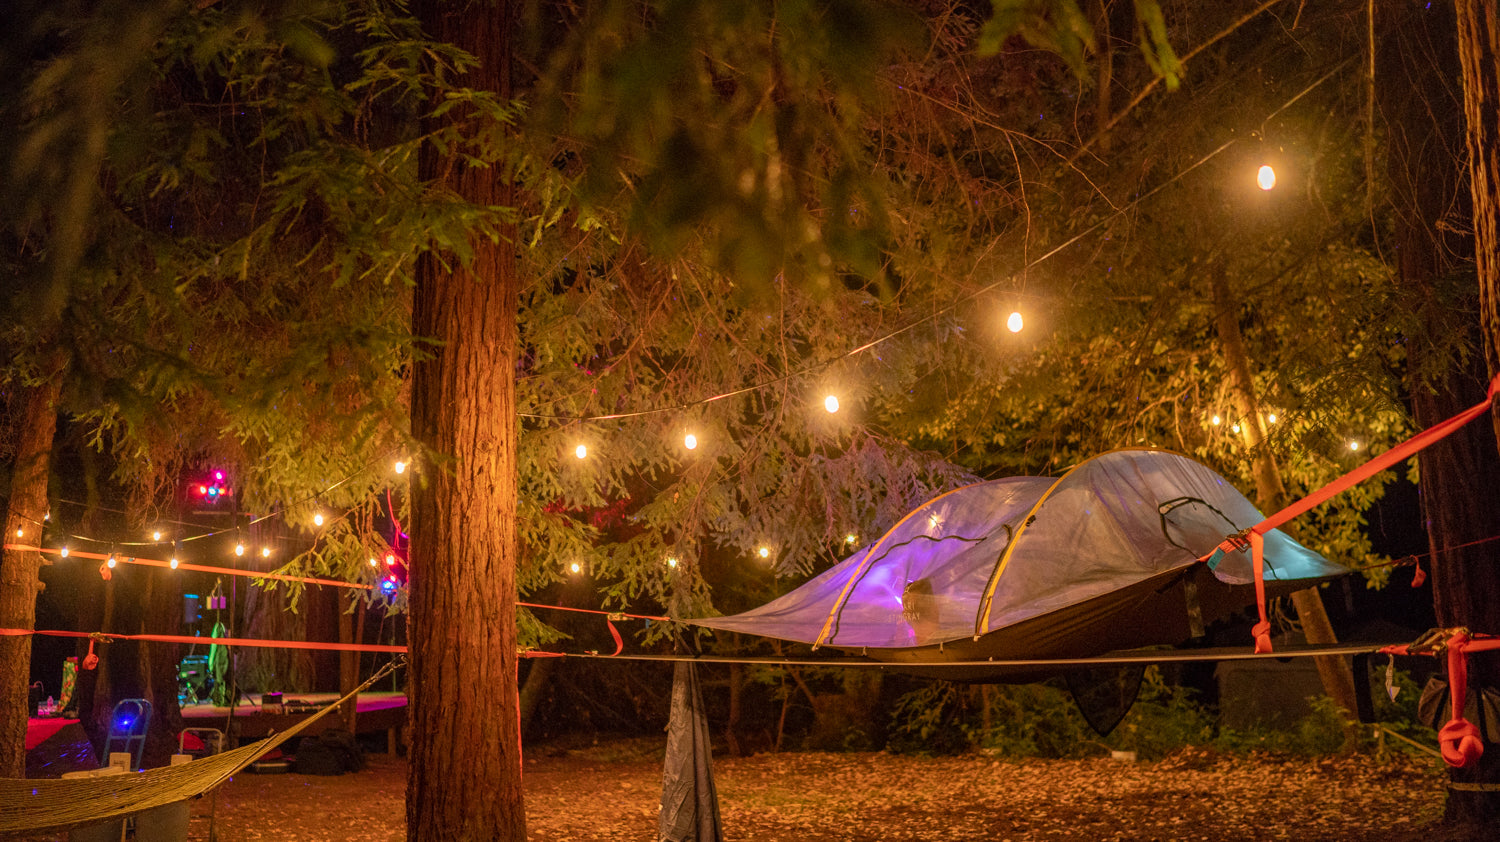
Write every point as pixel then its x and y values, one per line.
pixel 1460 475
pixel 1479 58
pixel 20 579
pixel 465 772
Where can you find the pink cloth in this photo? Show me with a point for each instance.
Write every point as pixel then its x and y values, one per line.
pixel 38 730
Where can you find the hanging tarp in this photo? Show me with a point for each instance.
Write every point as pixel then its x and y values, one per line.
pixel 689 800
pixel 1103 558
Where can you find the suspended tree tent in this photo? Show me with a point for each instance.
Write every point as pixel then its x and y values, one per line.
pixel 1120 552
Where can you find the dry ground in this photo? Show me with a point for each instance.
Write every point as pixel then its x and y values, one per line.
pixel 610 792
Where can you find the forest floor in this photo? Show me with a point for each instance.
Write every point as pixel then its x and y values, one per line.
pixel 610 792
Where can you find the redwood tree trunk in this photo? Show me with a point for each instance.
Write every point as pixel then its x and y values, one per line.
pixel 1460 475
pixel 465 774
pixel 20 579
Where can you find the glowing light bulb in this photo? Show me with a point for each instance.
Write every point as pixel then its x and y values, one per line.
pixel 111 561
pixel 1216 420
pixel 265 552
pixel 1236 428
pixel 318 519
pixel 156 535
pixel 1271 419
pixel 671 562
pixel 218 476
pixel 400 467
pixel 1265 177
pixel 575 567
pixel 390 559
pixel 765 552
pixel 373 562
pixel 20 531
pixel 581 451
pixel 831 403
pixel 1014 323
pixel 172 563
pixel 239 549
pixel 1354 445
pixel 690 441
pixel 851 538
pixel 63 552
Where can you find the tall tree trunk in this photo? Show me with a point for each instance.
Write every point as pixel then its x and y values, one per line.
pixel 349 661
pixel 1460 475
pixel 1479 58
pixel 20 578
pixel 1335 672
pixel 465 774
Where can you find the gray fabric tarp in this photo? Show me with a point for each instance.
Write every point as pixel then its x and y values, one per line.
pixel 689 800
pixel 1013 551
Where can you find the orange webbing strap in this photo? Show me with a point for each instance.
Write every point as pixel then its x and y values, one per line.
pixel 1458 738
pixel 1402 451
pixel 222 641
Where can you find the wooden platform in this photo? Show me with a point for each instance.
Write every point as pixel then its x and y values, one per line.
pixel 378 711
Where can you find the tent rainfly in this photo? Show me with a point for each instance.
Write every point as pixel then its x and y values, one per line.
pixel 1105 558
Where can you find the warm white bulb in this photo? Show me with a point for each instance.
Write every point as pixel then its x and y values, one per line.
pixel 156 535
pixel 239 549
pixel 63 552
pixel 1216 421
pixel 581 451
pixel 265 552
pixel 20 531
pixel 1236 428
pixel 400 467
pixel 1265 178
pixel 831 403
pixel 671 562
pixel 690 441
pixel 575 567
pixel 318 519
pixel 111 561
pixel 765 552
pixel 851 538
pixel 1015 322
pixel 173 563
pixel 373 562
pixel 1354 445
pixel 1271 419
pixel 390 559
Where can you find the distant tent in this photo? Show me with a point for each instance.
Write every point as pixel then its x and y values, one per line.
pixel 1104 558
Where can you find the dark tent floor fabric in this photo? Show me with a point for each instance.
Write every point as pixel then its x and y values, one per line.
pixel 1106 557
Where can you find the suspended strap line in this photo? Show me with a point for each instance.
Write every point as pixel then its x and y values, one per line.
pixel 1458 738
pixel 106 637
pixel 613 615
pixel 1256 534
pixel 1408 740
pixel 200 568
pixel 1123 659
pixel 609 620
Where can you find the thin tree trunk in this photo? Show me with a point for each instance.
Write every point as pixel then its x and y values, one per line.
pixel 1335 673
pixel 464 781
pixel 348 662
pixel 20 578
pixel 736 692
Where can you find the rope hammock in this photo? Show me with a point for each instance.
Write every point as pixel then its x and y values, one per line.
pixel 55 805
